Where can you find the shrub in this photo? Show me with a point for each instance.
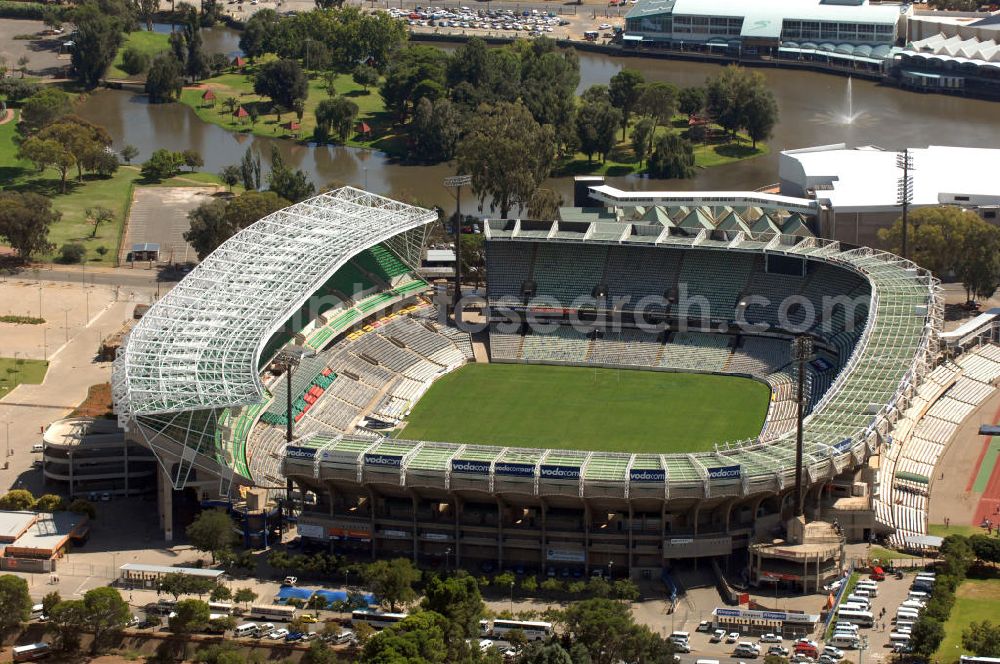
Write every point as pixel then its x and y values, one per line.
pixel 134 61
pixel 23 10
pixel 22 320
pixel 72 252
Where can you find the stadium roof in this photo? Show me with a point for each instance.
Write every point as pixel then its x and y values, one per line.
pixel 199 346
pixel 865 179
pixel 764 17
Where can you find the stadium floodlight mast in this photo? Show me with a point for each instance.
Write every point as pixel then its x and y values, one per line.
pixel 802 349
pixel 289 358
pixel 904 190
pixel 456 182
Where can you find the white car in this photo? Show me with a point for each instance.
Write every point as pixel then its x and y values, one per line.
pixel 770 638
pixel 717 636
pixel 484 645
pixel 836 653
pixel 604 26
pixel 733 637
pixel 290 581
pixel 278 634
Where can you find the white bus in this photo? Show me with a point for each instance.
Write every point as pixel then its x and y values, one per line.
pixel 273 612
pixel 31 652
pixel 375 618
pixel 221 607
pixel 533 630
pixel 859 618
pixel 969 659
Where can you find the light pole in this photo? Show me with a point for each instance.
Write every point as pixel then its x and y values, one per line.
pixel 904 191
pixel 7 442
pixel 447 559
pixel 802 349
pixel 289 358
pixel 512 598
pixel 456 182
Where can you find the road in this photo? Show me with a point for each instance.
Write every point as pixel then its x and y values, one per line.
pixel 126 277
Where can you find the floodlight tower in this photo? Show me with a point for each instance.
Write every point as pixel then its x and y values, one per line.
pixel 802 349
pixel 904 190
pixel 456 182
pixel 289 358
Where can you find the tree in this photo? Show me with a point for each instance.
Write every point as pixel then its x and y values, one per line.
pixel 365 76
pixel 175 584
pixel 624 90
pixel 413 72
pixel 549 653
pixel 926 636
pixel 163 164
pixel 50 502
pixel 607 630
pixel 49 601
pixel 596 124
pixel 319 652
pixel 22 64
pixel 435 130
pixel 363 633
pixel 336 114
pixel 147 9
pixel 105 613
pixel 982 638
pixel 192 159
pixel 642 137
pixel 212 531
pixel 134 61
pixel 657 101
pixel 691 100
pixel 220 593
pixel 245 596
pixel 48 153
pixel 72 253
pixel 507 153
pixel 230 175
pixel 190 616
pixel 391 581
pixel 66 621
pixel 760 115
pixel 544 204
pixel 456 598
pixel 81 506
pixel 98 215
pixel 979 268
pixel 422 637
pixel 129 152
pixel 958 556
pixel 15 602
pixel 84 141
pixel 290 185
pixel 165 78
pixel 735 95
pixel 282 81
pixel 215 221
pixel 986 548
pixel 24 225
pixel 43 107
pixel 250 169
pixel 673 157
pixel 95 43
pixel 626 590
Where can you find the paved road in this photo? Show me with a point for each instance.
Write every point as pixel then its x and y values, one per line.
pixel 126 277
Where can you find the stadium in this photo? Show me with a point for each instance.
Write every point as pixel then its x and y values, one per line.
pixel 624 397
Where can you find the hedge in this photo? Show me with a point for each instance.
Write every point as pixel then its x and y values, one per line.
pixel 25 10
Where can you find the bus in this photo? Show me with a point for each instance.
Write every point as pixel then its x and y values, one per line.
pixel 533 630
pixel 969 659
pixel 375 618
pixel 858 617
pixel 273 612
pixel 221 607
pixel 31 652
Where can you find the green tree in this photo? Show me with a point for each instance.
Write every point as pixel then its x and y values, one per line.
pixel 66 622
pixel 544 204
pixel 25 220
pixel 926 636
pixel 43 107
pixel 146 10
pixel 412 71
pixel 81 506
pixel 175 584
pixel 245 596
pixel 162 165
pixel 507 153
pixel 319 652
pixel 435 130
pixel 624 91
pixel 625 589
pixel 250 169
pixel 220 593
pixel 48 153
pixel 105 613
pixel 336 114
pixel 49 601
pixel 365 76
pixel 642 138
pixel 95 43
pixel 72 253
pixel 657 101
pixel 456 598
pixel 982 639
pixel 98 215
pixel 50 502
pixel 760 114
pixel 212 531
pixel 549 78
pixel 596 124
pixel 420 638
pixel 548 653
pixel 282 81
pixel 165 78
pixel 134 61
pixel 290 185
pixel 258 33
pixel 391 581
pixel 191 615
pixel 215 221
pixel 958 556
pixel 691 100
pixel 15 602
pixel 192 159
pixel 979 268
pixel 129 152
pixel 230 175
pixel 673 157
pixel 608 632
pixel 85 141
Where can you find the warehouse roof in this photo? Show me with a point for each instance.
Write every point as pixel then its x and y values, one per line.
pixel 764 16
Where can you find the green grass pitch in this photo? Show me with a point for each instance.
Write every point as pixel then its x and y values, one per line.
pixel 522 405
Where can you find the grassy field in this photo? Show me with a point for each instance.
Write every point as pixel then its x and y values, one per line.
pixel 940 530
pixel 588 409
pixel 880 553
pixel 975 600
pixel 384 135
pixel 149 43
pixel 24 371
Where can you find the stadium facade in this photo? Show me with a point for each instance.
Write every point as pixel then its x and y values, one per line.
pixel 193 380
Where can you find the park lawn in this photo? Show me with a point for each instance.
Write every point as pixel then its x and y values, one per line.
pixel 149 43
pixel 717 151
pixel 881 553
pixel 975 600
pixel 371 110
pixel 940 530
pixel 584 408
pixel 24 371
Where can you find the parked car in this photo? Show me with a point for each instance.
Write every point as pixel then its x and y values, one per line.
pixel 770 638
pixel 704 626
pixel 290 581
pixel 717 636
pixel 278 634
pixel 828 659
pixel 733 637
pixel 833 652
pixel 778 651
pixel 293 636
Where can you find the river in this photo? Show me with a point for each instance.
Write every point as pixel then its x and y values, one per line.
pixel 813 107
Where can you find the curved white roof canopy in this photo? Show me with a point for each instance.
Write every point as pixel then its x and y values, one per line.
pixel 199 346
